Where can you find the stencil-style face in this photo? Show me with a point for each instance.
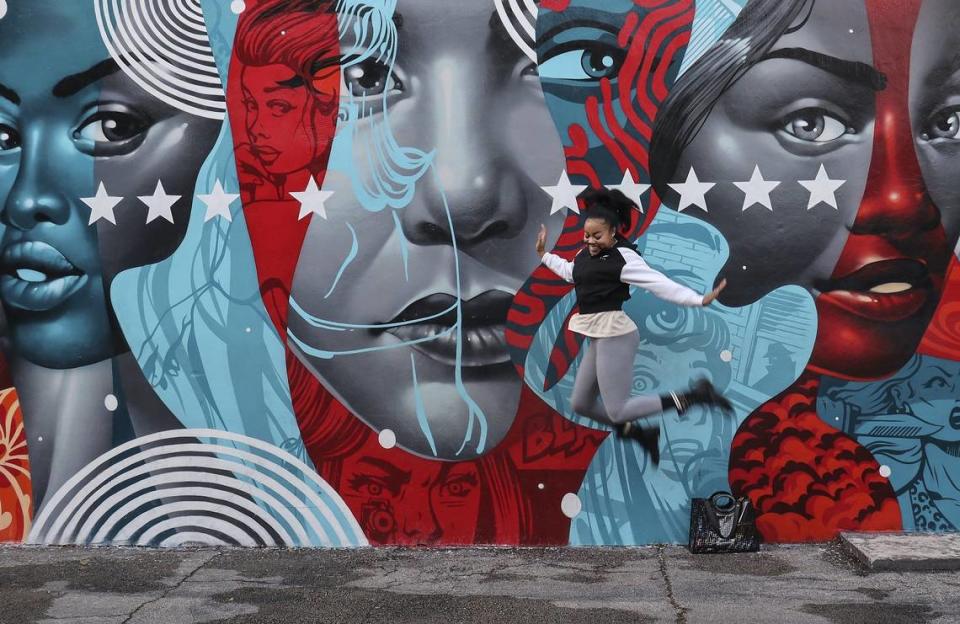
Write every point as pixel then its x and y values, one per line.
pixel 605 65
pixel 839 97
pixel 401 293
pixel 70 120
pixel 418 503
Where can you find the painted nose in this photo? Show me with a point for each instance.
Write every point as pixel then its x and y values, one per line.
pixel 472 193
pixel 36 196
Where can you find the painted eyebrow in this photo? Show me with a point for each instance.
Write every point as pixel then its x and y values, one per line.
pixel 582 23
pixel 394 474
pixel 10 94
pixel 850 70
pixel 75 83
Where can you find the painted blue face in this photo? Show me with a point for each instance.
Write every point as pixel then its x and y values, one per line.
pixel 605 65
pixel 69 122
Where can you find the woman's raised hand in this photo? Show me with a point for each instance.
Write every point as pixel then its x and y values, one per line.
pixel 542 241
pixel 713 294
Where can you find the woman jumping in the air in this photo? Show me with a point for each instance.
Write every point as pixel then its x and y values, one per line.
pixel 602 278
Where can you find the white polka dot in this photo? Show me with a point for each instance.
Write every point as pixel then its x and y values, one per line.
pixel 248 330
pixel 885 471
pixel 744 267
pixel 541 486
pixel 3 8
pixel 388 439
pixel 570 505
pixel 726 355
pixel 851 31
pixel 238 6
pixel 283 32
pixel 39 438
pixel 110 402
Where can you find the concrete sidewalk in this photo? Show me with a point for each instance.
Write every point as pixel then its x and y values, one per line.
pixel 783 585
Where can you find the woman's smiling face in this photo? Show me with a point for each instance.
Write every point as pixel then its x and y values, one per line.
pixel 70 121
pixel 401 293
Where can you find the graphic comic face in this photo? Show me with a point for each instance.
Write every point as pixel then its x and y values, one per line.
pixel 420 503
pixel 435 173
pixel 70 120
pixel 838 96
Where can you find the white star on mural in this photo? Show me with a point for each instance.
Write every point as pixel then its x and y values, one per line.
pixel 757 190
pixel 159 203
pixel 218 203
pixel 312 200
pixel 822 189
pixel 631 189
pixel 692 192
pixel 101 206
pixel 564 194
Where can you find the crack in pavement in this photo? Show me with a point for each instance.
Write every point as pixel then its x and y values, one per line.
pixel 174 588
pixel 678 609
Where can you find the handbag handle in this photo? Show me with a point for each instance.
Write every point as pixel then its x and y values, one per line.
pixel 729 504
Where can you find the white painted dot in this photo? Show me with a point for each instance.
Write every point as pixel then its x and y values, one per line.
pixel 387 438
pixel 39 438
pixel 540 486
pixel 248 329
pixel 851 31
pixel 110 402
pixel 283 32
pixel 744 267
pixel 885 471
pixel 3 8
pixel 726 355
pixel 238 6
pixel 570 505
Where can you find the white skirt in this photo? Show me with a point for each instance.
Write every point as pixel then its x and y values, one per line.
pixel 602 324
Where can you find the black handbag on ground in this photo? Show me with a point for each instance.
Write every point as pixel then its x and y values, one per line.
pixel 723 524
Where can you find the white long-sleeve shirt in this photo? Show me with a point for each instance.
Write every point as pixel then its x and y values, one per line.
pixel 602 283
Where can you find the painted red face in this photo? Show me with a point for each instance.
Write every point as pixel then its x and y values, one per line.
pixel 405 501
pixel 889 277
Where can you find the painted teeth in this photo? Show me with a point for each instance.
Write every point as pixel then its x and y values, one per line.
pixel 891 287
pixel 29 275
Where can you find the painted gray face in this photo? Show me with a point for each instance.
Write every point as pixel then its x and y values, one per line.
pixel 789 118
pixel 401 293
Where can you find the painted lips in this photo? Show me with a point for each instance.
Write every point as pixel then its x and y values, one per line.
pixel 36 277
pixel 886 291
pixel 430 326
pixel 266 154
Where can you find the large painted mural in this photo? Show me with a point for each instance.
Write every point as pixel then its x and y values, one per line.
pixel 270 277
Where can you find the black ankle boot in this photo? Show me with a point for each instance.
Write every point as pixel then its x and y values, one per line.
pixel 647 436
pixel 702 392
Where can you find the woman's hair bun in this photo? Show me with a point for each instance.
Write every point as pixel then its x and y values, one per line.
pixel 611 205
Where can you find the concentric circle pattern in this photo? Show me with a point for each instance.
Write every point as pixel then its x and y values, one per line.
pixel 163 46
pixel 197 486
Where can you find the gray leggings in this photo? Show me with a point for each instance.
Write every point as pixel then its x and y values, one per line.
pixel 607 371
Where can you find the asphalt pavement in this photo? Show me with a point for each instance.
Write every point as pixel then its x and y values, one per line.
pixel 783 585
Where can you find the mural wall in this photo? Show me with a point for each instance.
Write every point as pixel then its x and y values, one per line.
pixel 269 272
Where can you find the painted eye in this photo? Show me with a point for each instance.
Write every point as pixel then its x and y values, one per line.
pixel 369 78
pixel 936 382
pixel 944 125
pixel 111 127
pixel 814 125
pixel 586 61
pixel 9 138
